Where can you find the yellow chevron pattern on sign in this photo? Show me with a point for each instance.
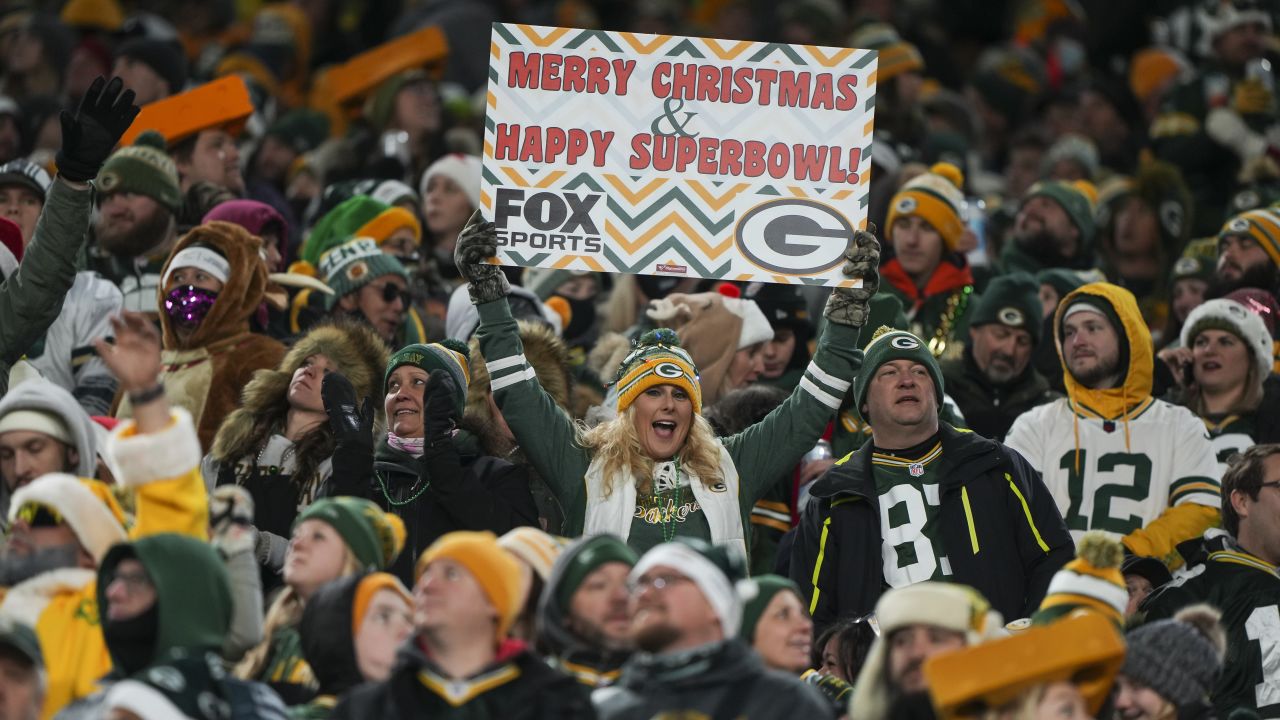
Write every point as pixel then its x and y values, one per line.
pixel 631 202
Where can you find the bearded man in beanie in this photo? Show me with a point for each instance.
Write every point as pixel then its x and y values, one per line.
pixel 460 662
pixel 923 501
pixel 916 623
pixel 1054 228
pixel 686 611
pixel 994 382
pixel 32 297
pixel 1234 570
pixel 136 228
pixel 584 624
pixel 1115 458
pixel 1249 253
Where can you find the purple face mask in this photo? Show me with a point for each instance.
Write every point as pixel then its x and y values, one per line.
pixel 187 305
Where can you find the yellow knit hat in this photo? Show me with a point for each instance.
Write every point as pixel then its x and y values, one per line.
pixel 494 568
pixel 658 359
pixel 935 196
pixel 385 223
pixel 1091 581
pixel 1263 225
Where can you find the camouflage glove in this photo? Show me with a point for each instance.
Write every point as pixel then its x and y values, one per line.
pixel 477 243
pixel 848 306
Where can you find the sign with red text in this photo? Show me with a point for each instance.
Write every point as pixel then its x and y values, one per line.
pixel 676 156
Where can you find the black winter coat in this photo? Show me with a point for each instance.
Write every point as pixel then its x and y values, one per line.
pixel 449 488
pixel 1002 530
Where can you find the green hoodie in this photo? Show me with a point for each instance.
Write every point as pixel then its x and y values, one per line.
pixel 193 593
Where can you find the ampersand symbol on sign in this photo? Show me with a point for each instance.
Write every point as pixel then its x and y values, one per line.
pixel 670 107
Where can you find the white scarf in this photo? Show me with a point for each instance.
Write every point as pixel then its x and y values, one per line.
pixel 614 512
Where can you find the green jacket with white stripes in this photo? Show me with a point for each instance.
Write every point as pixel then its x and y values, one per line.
pixel 760 454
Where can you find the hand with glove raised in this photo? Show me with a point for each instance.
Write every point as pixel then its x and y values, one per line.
pixel 439 410
pixel 352 428
pixel 476 244
pixel 106 111
pixel 848 306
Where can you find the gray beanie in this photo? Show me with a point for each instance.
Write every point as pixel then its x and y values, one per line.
pixel 1180 658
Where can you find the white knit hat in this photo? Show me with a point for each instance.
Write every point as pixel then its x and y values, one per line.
pixel 97 521
pixel 1231 316
pixel 950 606
pixel 755 326
pixel 462 169
pixel 721 591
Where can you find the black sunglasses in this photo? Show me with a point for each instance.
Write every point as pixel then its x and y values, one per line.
pixel 391 291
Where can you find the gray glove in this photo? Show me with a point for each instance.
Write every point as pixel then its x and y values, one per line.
pixel 848 306
pixel 476 243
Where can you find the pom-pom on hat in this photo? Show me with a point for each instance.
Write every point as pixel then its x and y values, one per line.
pixel 657 359
pixel 937 197
pixel 373 536
pixel 1092 581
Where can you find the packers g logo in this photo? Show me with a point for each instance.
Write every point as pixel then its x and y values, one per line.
pixel 1239 225
pixel 905 205
pixel 904 342
pixel 1011 316
pixel 1185 266
pixel 793 237
pixel 668 370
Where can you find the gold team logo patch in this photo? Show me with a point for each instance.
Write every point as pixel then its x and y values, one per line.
pixel 358 270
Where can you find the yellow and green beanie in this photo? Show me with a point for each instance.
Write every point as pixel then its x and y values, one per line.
pixel 1263 225
pixel 887 345
pixel 373 536
pixel 1092 581
pixel 359 216
pixel 935 196
pixel 657 359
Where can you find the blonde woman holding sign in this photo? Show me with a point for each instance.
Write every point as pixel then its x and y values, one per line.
pixel 657 471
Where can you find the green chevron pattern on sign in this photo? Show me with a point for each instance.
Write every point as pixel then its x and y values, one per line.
pixel 607 150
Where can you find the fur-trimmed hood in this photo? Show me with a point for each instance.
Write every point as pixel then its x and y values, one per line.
pixel 354 347
pixel 241 294
pixel 546 352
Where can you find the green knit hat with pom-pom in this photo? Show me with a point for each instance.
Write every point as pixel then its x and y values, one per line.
pixel 143 168
pixel 1092 581
pixel 449 355
pixel 657 358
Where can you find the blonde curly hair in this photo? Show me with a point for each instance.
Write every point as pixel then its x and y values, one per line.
pixel 617 443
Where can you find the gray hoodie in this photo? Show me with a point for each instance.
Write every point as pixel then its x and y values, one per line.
pixel 42 395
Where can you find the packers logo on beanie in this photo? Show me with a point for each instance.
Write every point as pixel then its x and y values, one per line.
pixel 935 196
pixel 1263 225
pixel 657 359
pixel 143 168
pixel 888 345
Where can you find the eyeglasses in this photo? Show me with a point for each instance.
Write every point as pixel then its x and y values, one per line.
pixel 657 582
pixel 1274 483
pixel 38 515
pixel 133 581
pixel 391 291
